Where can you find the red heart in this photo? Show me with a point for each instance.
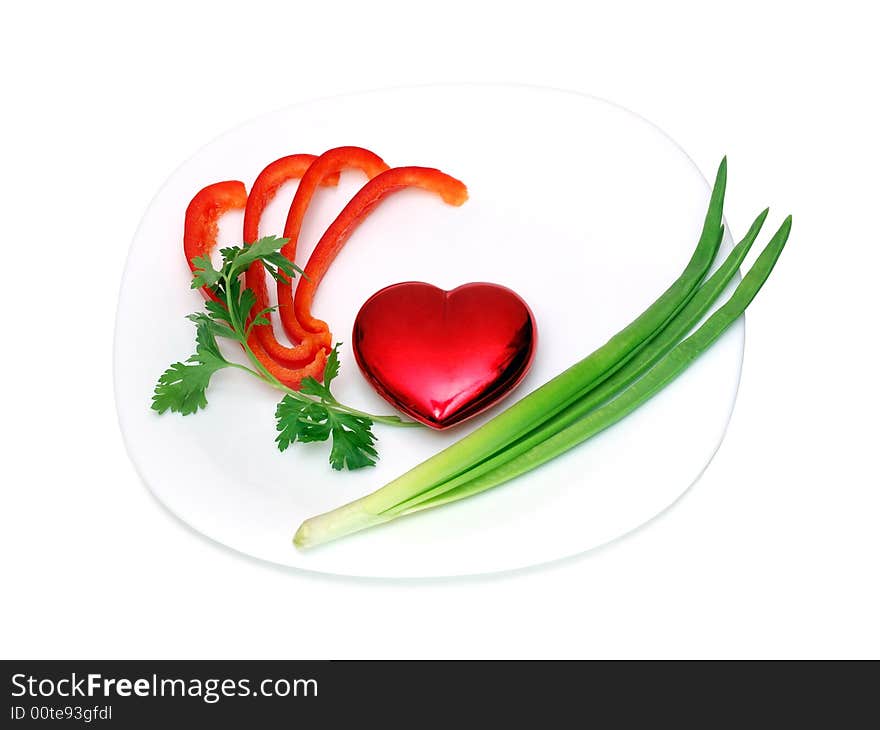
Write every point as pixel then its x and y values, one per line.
pixel 444 356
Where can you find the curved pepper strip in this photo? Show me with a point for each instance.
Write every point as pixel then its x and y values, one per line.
pixel 327 166
pixel 273 176
pixel 368 197
pixel 199 239
pixel 202 214
pixel 291 377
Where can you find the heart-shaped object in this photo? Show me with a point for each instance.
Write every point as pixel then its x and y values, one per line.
pixel 440 356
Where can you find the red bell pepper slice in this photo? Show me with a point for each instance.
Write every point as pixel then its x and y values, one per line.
pixel 368 197
pixel 262 192
pixel 327 166
pixel 202 214
pixel 199 239
pixel 291 377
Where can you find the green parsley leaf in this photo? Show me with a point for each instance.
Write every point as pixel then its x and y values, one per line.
pixel 259 319
pixel 237 318
pixel 299 420
pixel 261 250
pixel 353 441
pixel 205 274
pixel 216 328
pixel 310 386
pixel 280 267
pixel 230 253
pixel 217 311
pixel 181 388
pixel 246 303
pixel 331 369
pixel 207 349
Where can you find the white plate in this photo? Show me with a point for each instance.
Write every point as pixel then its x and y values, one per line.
pixel 585 209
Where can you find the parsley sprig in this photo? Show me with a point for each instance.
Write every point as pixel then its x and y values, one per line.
pixel 310 414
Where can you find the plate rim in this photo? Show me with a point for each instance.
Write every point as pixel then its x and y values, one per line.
pixel 477 574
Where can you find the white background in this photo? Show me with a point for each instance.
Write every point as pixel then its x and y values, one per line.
pixel 773 553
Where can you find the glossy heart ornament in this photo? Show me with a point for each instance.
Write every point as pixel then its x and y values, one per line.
pixel 440 356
